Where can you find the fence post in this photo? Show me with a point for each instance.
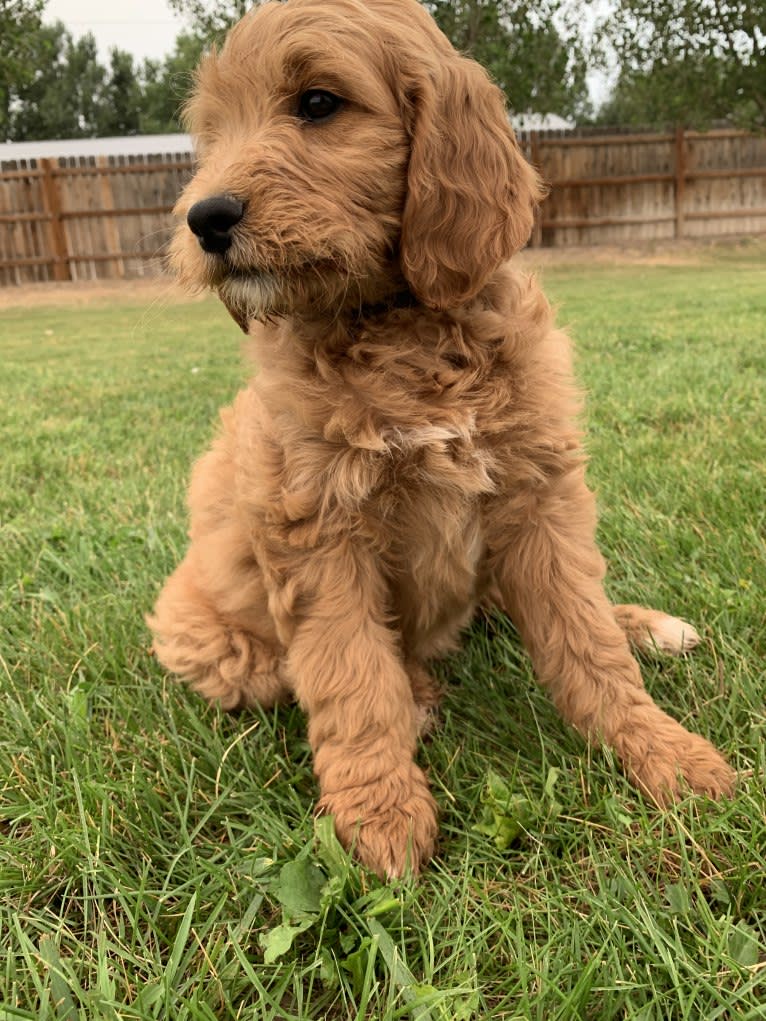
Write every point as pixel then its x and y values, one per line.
pixel 534 158
pixel 680 179
pixel 61 268
pixel 111 231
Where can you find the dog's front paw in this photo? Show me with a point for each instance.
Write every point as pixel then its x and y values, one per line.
pixel 389 824
pixel 665 761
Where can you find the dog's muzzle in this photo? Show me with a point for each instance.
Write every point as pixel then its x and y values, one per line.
pixel 213 221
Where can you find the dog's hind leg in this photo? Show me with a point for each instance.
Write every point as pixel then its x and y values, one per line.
pixel 427 694
pixel 211 623
pixel 221 654
pixel 549 574
pixel 655 631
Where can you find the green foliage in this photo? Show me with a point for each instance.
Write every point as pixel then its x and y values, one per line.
pixel 71 94
pixel 167 84
pixel 120 98
pixel 20 22
pixel 60 99
pixel 686 62
pixel 210 21
pixel 533 50
pixel 505 816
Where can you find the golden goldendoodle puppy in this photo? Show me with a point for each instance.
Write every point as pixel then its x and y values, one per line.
pixel 408 448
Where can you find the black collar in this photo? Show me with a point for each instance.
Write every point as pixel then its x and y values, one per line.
pixel 400 299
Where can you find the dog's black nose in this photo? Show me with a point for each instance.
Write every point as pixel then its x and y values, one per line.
pixel 213 220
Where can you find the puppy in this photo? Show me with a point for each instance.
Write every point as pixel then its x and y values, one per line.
pixel 408 448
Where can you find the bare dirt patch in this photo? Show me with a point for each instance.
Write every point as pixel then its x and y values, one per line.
pixel 651 253
pixel 76 294
pixel 164 290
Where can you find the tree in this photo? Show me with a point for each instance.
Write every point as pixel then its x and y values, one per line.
pixel 70 94
pixel 20 25
pixel 211 21
pixel 120 97
pixel 167 84
pixel 533 50
pixel 61 98
pixel 687 62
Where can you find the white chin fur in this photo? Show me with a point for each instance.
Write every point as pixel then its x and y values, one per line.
pixel 253 296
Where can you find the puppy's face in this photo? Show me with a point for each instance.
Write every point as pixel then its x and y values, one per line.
pixel 346 152
pixel 295 123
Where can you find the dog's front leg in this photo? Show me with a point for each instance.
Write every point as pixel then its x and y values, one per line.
pixel 345 665
pixel 549 574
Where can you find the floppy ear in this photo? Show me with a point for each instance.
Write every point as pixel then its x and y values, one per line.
pixel 471 194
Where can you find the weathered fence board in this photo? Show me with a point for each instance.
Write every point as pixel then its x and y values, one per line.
pixel 110 216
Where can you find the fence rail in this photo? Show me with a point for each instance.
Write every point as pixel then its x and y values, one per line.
pixel 93 218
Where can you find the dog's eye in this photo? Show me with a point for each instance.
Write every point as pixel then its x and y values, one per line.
pixel 317 104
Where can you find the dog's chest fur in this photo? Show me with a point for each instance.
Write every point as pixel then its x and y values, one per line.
pixel 385 442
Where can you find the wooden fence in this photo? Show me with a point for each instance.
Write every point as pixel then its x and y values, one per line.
pixel 87 218
pixel 618 189
pixel 94 218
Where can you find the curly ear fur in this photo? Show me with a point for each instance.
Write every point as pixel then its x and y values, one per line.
pixel 471 194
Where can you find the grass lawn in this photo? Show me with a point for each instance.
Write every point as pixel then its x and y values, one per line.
pixel 159 859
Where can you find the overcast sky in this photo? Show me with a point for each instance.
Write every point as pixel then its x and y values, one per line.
pixel 145 28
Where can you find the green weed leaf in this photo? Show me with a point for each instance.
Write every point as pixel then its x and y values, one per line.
pixel 299 888
pixel 279 940
pixel 358 963
pixel 744 947
pixel 504 815
pixel 329 849
pixel 677 897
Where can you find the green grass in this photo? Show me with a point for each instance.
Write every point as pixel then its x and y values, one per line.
pixel 151 847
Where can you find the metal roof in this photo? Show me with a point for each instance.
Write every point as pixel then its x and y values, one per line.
pixel 129 145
